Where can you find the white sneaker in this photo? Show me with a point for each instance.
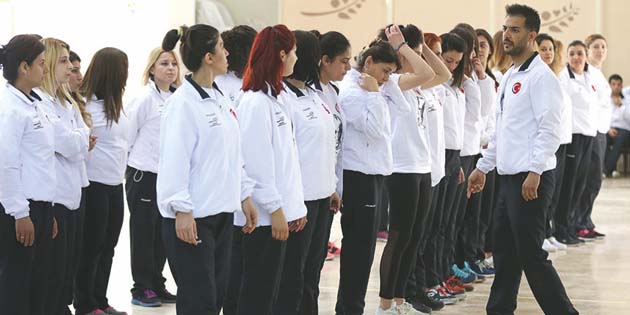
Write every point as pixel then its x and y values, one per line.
pixel 490 262
pixel 393 310
pixel 407 309
pixel 557 244
pixel 616 174
pixel 547 246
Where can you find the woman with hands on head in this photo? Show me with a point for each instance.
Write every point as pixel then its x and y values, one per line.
pixel 200 143
pixel 367 158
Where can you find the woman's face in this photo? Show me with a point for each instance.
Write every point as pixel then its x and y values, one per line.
pixel 338 66
pixel 577 58
pixel 598 51
pixel 219 58
pixel 288 61
pixel 379 70
pixel 165 69
pixel 546 51
pixel 76 78
pixel 484 49
pixel 616 86
pixel 452 59
pixel 34 73
pixel 63 68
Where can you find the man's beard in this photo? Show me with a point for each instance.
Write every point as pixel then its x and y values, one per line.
pixel 516 50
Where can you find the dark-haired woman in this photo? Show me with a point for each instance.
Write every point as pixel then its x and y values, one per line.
pixel 548 50
pixel 579 82
pixel 314 128
pixel 409 186
pixel 199 142
pixel 453 50
pixel 334 64
pixel 367 158
pixel 27 180
pixel 597 50
pixel 103 85
pixel 238 42
pixel 161 78
pixel 271 159
pixel 75 222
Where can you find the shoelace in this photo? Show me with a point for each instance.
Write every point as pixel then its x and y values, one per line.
pixel 404 308
pixel 150 293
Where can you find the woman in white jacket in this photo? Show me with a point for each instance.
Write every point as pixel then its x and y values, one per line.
pixel 271 159
pixel 367 158
pixel 201 180
pixel 71 148
pixel 161 78
pixel 27 179
pixel 578 81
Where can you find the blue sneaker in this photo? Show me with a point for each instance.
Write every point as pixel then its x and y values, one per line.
pixel 463 275
pixel 483 268
pixel 146 298
pixel 480 277
pixel 478 270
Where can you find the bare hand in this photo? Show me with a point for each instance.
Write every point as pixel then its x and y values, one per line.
pixel 530 187
pixel 92 142
pixel 251 216
pixel 478 67
pixel 279 226
pixel 394 36
pixel 186 228
pixel 612 132
pixel 462 177
pixel 476 182
pixel 368 83
pixel 335 203
pixel 25 231
pixel 55 230
pixel 297 225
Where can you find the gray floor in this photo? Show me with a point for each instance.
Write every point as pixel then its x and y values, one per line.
pixel 595 275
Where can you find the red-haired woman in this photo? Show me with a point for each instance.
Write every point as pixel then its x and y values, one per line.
pixel 271 159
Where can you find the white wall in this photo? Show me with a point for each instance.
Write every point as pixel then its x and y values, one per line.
pixel 134 26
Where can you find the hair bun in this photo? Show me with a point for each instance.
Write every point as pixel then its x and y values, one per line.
pixel 173 36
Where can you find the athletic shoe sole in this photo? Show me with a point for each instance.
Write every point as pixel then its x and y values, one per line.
pixel 140 303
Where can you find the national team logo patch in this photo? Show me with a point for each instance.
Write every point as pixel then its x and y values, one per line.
pixel 593 87
pixel 233 114
pixel 516 87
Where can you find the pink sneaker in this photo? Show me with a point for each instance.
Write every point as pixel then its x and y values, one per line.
pixel 333 249
pixel 382 236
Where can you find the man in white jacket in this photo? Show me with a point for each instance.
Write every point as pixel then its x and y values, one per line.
pixel 523 151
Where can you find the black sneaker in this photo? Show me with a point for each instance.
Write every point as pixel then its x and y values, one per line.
pixel 166 297
pixel 146 298
pixel 569 241
pixel 430 299
pixel 419 306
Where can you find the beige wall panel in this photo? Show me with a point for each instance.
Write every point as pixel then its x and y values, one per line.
pixel 357 19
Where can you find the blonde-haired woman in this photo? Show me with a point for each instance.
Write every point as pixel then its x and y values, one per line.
pixel 500 61
pixel 161 77
pixel 71 148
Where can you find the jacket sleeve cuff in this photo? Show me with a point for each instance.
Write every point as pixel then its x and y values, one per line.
pixel 21 215
pixel 271 207
pixel 484 167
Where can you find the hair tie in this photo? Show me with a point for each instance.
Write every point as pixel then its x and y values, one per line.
pixel 180 32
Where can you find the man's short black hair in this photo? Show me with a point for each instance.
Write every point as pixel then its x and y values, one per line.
pixel 532 19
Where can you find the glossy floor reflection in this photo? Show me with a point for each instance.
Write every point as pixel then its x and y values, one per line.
pixel 595 275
